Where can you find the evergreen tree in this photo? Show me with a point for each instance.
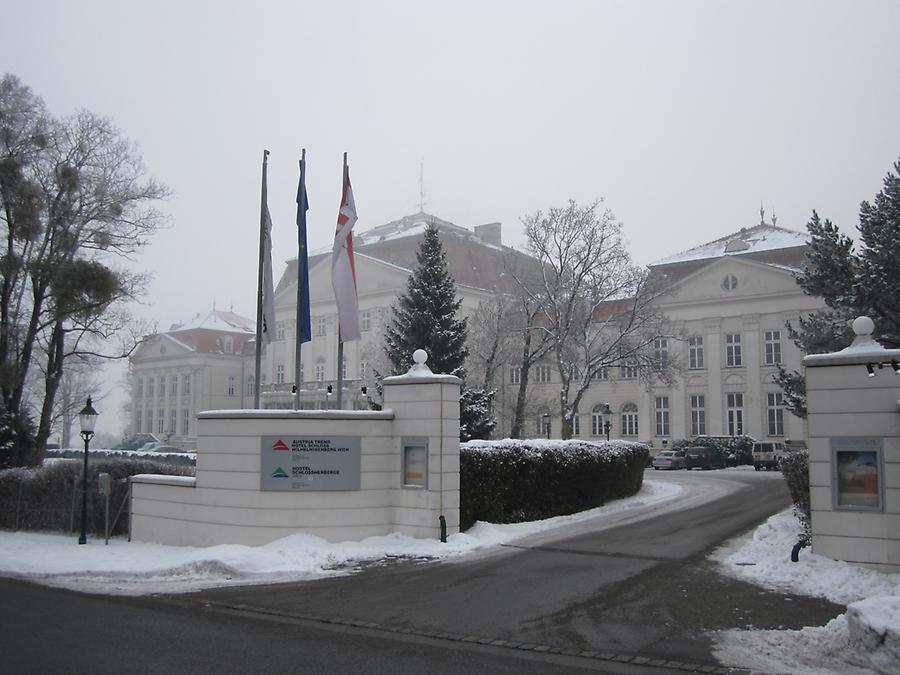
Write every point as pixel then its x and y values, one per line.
pixel 851 283
pixel 425 315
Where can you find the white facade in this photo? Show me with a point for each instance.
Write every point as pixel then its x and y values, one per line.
pixel 727 335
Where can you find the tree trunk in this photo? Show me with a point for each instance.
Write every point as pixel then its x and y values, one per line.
pixel 518 425
pixel 55 357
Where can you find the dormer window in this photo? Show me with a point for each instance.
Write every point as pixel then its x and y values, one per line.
pixel 736 245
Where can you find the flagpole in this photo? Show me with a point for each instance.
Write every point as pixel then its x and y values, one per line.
pixel 301 243
pixel 340 352
pixel 259 288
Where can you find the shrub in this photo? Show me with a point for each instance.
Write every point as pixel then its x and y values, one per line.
pixel 795 469
pixel 49 497
pixel 513 481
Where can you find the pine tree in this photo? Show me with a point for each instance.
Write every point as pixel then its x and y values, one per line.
pixel 851 283
pixel 425 315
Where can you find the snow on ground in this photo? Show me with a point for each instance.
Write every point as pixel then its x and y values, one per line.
pixel 864 640
pixel 136 568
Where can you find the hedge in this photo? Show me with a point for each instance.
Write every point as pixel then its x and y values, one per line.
pixel 795 469
pixel 514 481
pixel 49 497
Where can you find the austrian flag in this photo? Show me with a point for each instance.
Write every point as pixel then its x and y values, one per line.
pixel 343 265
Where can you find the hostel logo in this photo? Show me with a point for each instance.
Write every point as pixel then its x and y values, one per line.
pixel 281 446
pixel 279 473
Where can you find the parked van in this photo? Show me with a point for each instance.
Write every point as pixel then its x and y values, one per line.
pixel 766 454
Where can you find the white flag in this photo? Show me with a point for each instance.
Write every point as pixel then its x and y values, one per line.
pixel 343 266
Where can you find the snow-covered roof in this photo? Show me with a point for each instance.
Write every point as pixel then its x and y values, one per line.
pixel 218 320
pixel 762 237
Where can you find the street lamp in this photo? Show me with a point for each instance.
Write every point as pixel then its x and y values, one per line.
pixel 88 417
pixel 607 414
pixel 546 418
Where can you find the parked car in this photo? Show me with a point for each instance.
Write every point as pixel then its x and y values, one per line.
pixel 669 459
pixel 766 454
pixel 703 458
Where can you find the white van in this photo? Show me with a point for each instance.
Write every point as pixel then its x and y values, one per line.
pixel 766 454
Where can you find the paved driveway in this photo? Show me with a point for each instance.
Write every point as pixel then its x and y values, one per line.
pixel 638 589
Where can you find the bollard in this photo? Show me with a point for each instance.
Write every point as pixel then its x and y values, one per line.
pixel 443 522
pixel 103 487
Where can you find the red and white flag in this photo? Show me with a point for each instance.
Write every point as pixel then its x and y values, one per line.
pixel 343 266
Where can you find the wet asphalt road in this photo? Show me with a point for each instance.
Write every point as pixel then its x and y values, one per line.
pixel 643 589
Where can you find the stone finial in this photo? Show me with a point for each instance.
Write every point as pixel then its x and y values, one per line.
pixel 863 326
pixel 420 356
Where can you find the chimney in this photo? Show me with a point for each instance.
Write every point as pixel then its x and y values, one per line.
pixel 489 233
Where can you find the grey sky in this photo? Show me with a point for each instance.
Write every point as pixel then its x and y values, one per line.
pixel 684 116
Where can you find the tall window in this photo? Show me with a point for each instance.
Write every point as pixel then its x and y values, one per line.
pixel 161 422
pixel 576 425
pixel 698 415
pixel 629 420
pixel 515 374
pixel 281 330
pixel 775 413
pixel 321 325
pixel 320 370
pixel 231 385
pixel 629 371
pixel 173 385
pixel 251 385
pixel 542 374
pixel 695 352
pixel 734 408
pixel 363 370
pixel 139 389
pixel 279 373
pixel 137 422
pixel 228 344
pixel 773 347
pixel 662 415
pixel 150 383
pixel 185 422
pixel 661 351
pixel 185 384
pixel 149 427
pixel 173 427
pixel 344 368
pixel 733 350
pixel 365 320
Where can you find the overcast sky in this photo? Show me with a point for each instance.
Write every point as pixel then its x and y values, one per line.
pixel 683 116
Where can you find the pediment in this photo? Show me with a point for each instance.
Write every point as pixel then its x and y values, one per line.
pixel 730 278
pixel 160 346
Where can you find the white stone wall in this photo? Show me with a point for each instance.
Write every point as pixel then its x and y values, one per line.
pixel 225 503
pixel 844 402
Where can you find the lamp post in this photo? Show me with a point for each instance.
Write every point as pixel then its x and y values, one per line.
pixel 88 417
pixel 607 414
pixel 546 418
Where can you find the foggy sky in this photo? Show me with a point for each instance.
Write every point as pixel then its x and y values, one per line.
pixel 683 116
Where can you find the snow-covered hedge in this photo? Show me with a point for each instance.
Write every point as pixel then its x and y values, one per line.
pixel 512 481
pixel 795 469
pixel 182 458
pixel 49 497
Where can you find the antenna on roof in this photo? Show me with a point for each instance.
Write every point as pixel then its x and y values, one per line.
pixel 774 218
pixel 762 214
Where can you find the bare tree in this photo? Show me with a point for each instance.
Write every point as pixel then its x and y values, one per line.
pixel 74 200
pixel 593 304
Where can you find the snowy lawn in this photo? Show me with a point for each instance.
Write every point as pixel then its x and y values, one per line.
pixel 864 640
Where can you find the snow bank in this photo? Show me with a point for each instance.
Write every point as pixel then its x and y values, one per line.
pixel 864 640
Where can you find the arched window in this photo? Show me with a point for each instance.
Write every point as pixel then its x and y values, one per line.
pixel 597 420
pixel 629 419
